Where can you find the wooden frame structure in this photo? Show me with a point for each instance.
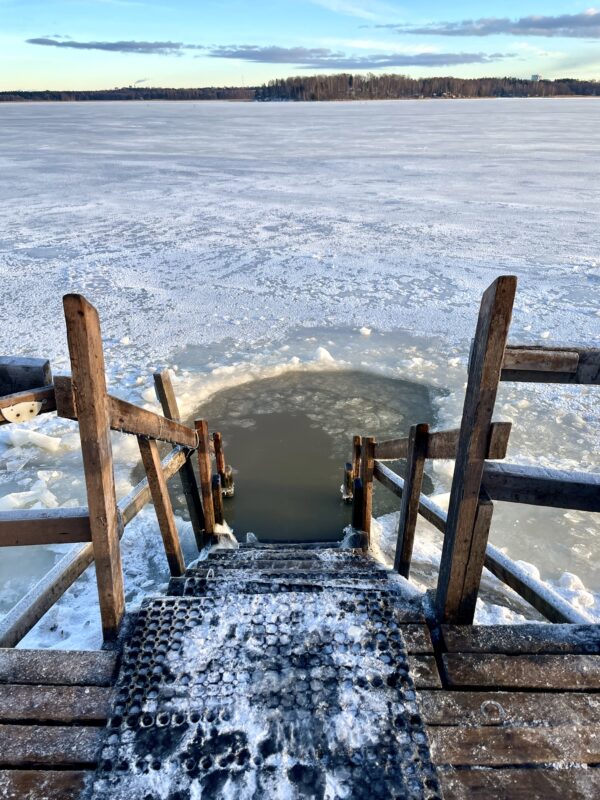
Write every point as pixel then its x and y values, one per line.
pixel 478 481
pixel 99 526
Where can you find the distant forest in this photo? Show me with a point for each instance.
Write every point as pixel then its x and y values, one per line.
pixel 335 87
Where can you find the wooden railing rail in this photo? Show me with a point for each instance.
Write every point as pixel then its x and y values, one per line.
pixel 579 491
pixel 444 444
pixel 44 526
pixel 574 365
pixel 542 597
pixel 26 405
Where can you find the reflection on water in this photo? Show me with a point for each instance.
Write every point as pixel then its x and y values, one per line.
pixel 288 438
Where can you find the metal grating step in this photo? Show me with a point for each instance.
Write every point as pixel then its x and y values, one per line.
pixel 266 696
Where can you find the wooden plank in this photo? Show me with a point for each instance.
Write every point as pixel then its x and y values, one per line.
pixel 18 374
pixel 541 596
pixel 355 457
pixel 44 526
pixel 205 476
pixel 491 746
pixel 482 385
pixel 479 709
pixel 357 506
pixel 44 397
pixel 540 359
pixel 91 400
pixel 54 704
pixel 542 487
pixel 551 783
pixel 162 505
pixel 189 484
pixel 588 369
pixel 131 505
pixel 31 607
pixel 367 464
pixel 58 667
pixel 217 497
pixel 424 671
pixel 528 638
pixel 523 671
pixel 427 508
pixel 417 639
pixel 127 417
pixel 24 784
pixel 49 746
pixel 475 558
pixel 409 508
pixel 444 444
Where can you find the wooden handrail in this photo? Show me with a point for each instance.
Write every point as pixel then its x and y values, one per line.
pixel 579 491
pixel 131 505
pixel 44 526
pixel 571 365
pixel 544 599
pixel 443 444
pixel 43 395
pixel 128 418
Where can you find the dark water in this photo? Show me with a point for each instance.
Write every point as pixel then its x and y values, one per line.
pixel 288 438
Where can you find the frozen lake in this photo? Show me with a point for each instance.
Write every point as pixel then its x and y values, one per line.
pixel 242 241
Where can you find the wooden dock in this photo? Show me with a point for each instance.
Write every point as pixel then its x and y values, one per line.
pixel 307 670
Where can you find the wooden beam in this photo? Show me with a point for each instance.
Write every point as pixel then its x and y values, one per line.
pixel 62 705
pixel 205 476
pixel 526 783
pixel 91 400
pixel 541 596
pixel 355 458
pixel 444 444
pixel 409 509
pixel 533 637
pixel 43 784
pixel 59 667
pixel 162 505
pixel 44 526
pixel 131 505
pixel 476 558
pixel 217 497
pixel 482 386
pixel 357 505
pixel 367 464
pixel 18 374
pixel 33 402
pixel 540 359
pixel 53 746
pixel 427 508
pixel 571 365
pixel 189 484
pixel 127 418
pixel 542 487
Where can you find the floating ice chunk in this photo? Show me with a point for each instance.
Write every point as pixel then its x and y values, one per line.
pixel 125 340
pixel 365 331
pixel 39 496
pixel 20 437
pixel 324 356
pixel 251 538
pixel 546 335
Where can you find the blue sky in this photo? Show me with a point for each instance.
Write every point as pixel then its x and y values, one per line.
pixel 89 44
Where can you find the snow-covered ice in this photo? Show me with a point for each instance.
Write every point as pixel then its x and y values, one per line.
pixel 240 240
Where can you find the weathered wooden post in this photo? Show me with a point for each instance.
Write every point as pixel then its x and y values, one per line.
pixel 91 401
pixel 347 486
pixel 356 445
pixel 201 426
pixel 217 496
pixel 367 465
pixel 168 401
pixel 224 471
pixel 162 505
pixel 357 506
pixel 462 554
pixel 409 509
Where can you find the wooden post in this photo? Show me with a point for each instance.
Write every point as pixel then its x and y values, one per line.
pixel 367 465
pixel 355 457
pixel 409 509
pixel 217 497
pixel 476 559
pixel 89 387
pixel 485 364
pixel 227 483
pixel 205 475
pixel 348 484
pixel 225 472
pixel 162 505
pixel 357 506
pixel 168 401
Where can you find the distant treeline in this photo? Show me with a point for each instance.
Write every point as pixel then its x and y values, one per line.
pixel 389 87
pixel 134 93
pixel 335 87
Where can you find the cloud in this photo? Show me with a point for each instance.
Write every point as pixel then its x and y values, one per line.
pixel 144 48
pixel 349 8
pixel 323 58
pixel 573 26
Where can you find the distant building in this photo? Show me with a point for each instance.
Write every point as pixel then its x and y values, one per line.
pixel 536 78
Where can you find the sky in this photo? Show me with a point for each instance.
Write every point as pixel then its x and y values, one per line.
pixel 97 44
